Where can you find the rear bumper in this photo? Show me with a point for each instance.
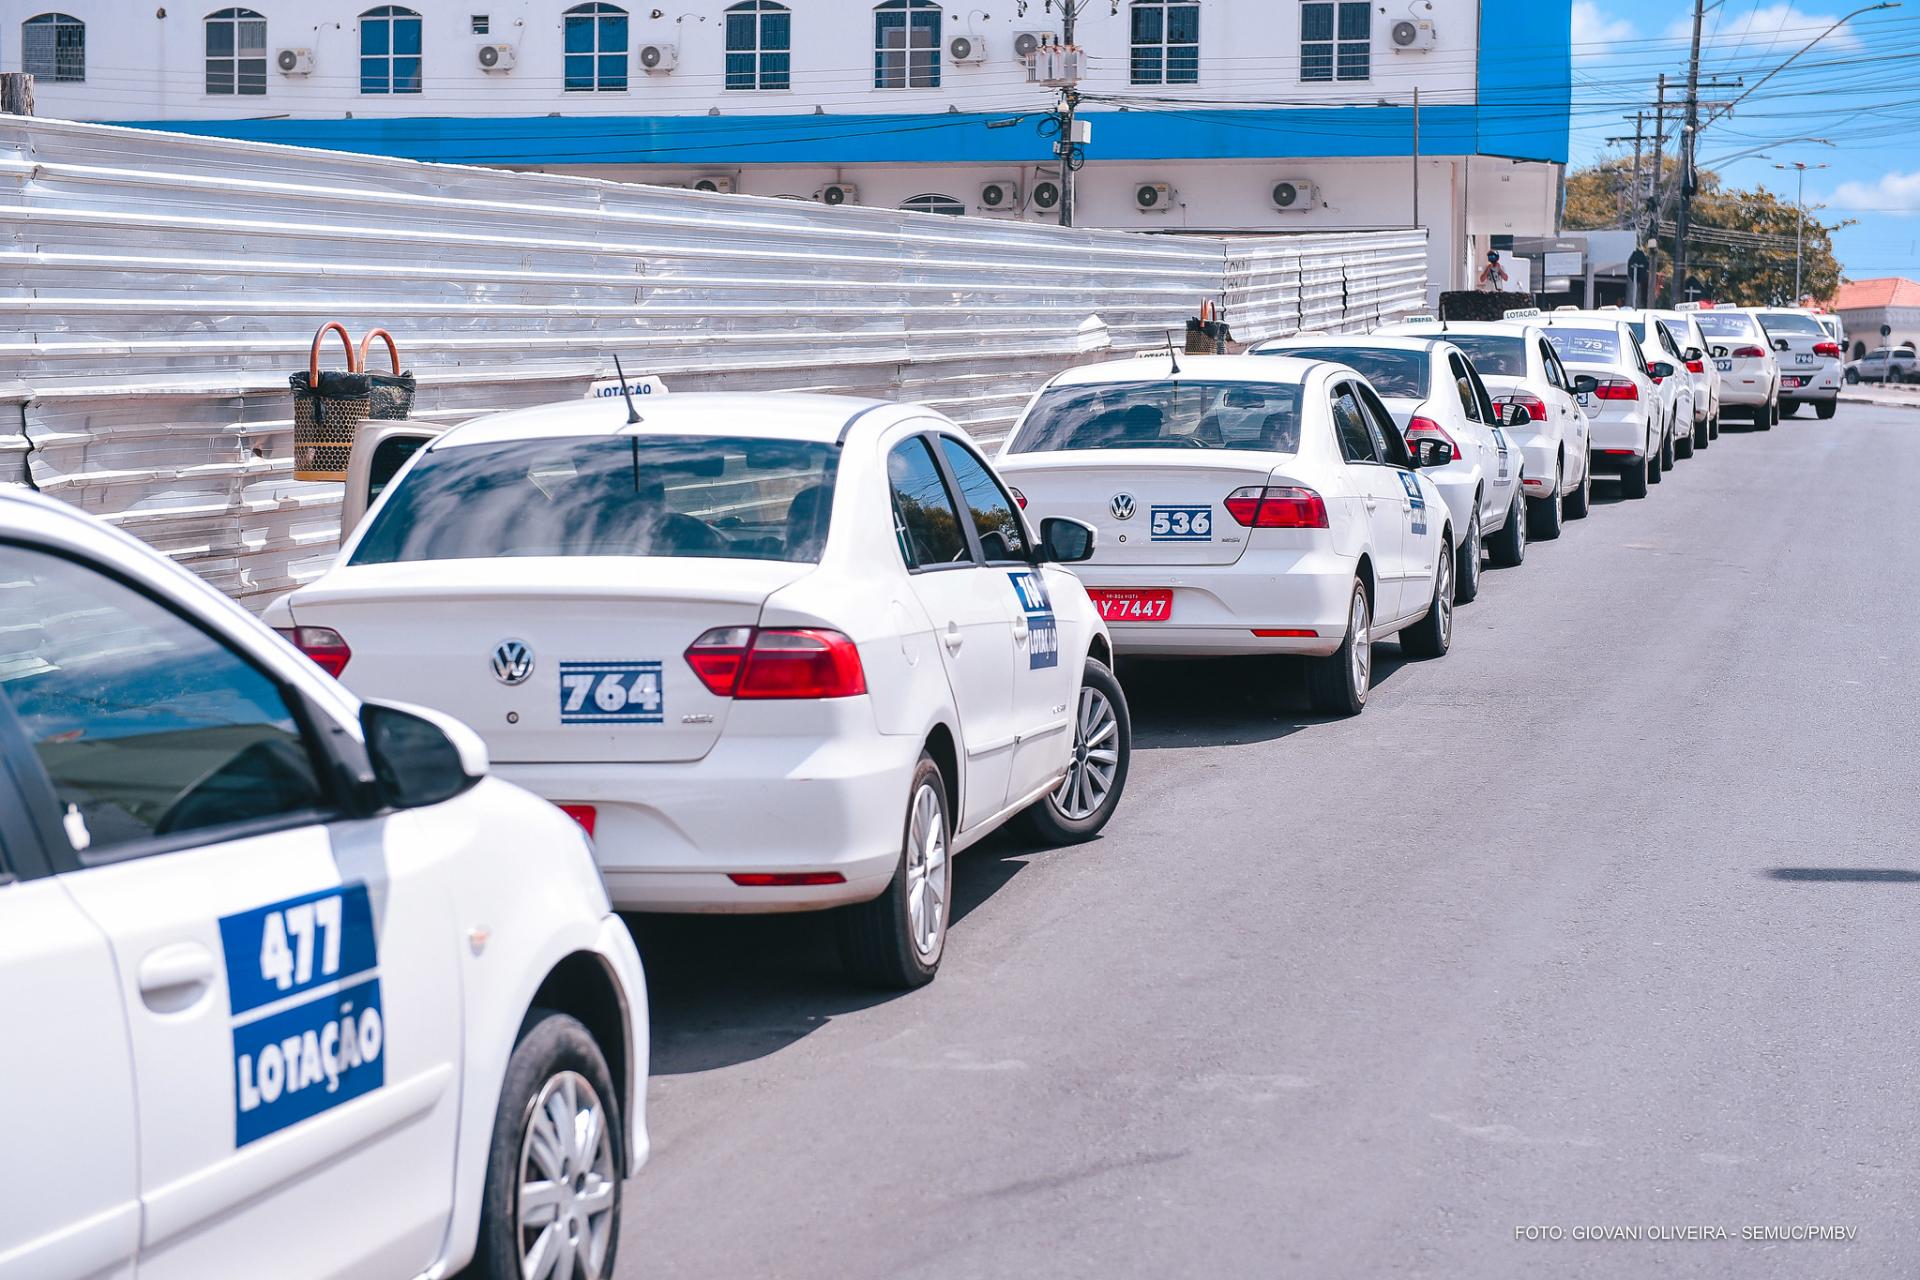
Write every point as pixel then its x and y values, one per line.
pixel 1218 608
pixel 1628 431
pixel 667 836
pixel 1745 391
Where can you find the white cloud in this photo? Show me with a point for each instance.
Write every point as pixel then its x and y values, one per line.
pixel 1889 193
pixel 1777 28
pixel 1595 32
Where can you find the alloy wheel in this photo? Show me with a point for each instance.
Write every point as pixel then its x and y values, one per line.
pixel 929 879
pixel 1359 626
pixel 1096 758
pixel 565 1207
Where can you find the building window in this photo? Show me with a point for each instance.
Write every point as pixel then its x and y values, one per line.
pixel 1336 40
pixel 480 23
pixel 596 49
pixel 390 50
pixel 759 46
pixel 906 45
pixel 1166 42
pixel 934 204
pixel 53 46
pixel 236 52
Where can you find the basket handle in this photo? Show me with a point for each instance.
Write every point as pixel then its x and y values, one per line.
pixel 392 348
pixel 313 353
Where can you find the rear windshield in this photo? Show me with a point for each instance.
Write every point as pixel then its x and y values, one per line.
pixel 1593 346
pixel 1394 374
pixel 1165 415
pixel 1494 355
pixel 700 496
pixel 1724 324
pixel 1791 322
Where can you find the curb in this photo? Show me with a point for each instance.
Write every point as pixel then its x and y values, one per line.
pixel 1901 403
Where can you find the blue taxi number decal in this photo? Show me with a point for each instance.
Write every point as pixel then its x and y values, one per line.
pixel 1415 500
pixel 1043 630
pixel 303 989
pixel 611 693
pixel 1180 524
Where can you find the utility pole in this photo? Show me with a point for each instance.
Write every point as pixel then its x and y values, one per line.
pixel 1636 200
pixel 1651 234
pixel 1069 102
pixel 1416 157
pixel 16 93
pixel 1687 130
pixel 1800 168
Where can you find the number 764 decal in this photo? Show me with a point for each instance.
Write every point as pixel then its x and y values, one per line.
pixel 611 693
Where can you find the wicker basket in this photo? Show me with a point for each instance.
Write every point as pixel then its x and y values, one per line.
pixel 390 394
pixel 328 409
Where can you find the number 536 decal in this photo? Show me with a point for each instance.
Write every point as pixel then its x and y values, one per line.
pixel 1181 524
pixel 611 693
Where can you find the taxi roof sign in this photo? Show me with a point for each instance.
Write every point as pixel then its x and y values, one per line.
pixel 1521 313
pixel 1420 320
pixel 608 388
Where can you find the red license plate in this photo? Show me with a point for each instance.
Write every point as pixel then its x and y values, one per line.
pixel 1133 606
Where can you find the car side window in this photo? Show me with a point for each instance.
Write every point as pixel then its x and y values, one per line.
pixel 1487 415
pixel 1566 379
pixel 926 523
pixel 1350 425
pixel 146 726
pixel 1550 366
pixel 1464 386
pixel 1003 539
pixel 1388 443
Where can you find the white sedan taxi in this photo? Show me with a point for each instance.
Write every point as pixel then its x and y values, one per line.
pixel 775 652
pixel 1808 356
pixel 1626 432
pixel 1744 358
pixel 326 999
pixel 1432 391
pixel 1245 505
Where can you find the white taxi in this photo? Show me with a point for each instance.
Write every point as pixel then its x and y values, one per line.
pixel 1810 362
pixel 1246 505
pixel 1626 428
pixel 325 999
pixel 1705 378
pixel 1668 362
pixel 775 652
pixel 1520 370
pixel 1744 358
pixel 1432 391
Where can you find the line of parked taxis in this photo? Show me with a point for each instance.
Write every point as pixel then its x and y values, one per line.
pixel 328 944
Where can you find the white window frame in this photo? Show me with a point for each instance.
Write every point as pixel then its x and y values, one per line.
pixel 237 20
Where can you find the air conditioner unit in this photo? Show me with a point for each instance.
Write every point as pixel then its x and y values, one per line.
pixel 1411 35
pixel 1000 196
pixel 655 58
pixel 838 193
pixel 1045 195
pixel 968 46
pixel 294 62
pixel 494 57
pixel 1152 197
pixel 1294 195
pixel 1027 43
pixel 712 182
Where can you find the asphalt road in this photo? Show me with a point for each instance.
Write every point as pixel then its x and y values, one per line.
pixel 1607 918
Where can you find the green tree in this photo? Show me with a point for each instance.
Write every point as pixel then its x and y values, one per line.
pixel 1748 272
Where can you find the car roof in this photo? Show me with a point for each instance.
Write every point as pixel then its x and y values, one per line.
pixel 1583 319
pixel 1382 341
pixel 786 415
pixel 1440 329
pixel 1159 366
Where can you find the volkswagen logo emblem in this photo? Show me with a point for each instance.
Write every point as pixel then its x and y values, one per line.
pixel 512 661
pixel 1121 506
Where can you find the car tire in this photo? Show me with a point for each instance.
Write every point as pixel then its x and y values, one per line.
pixel 1655 472
pixel 1102 728
pixel 1432 636
pixel 1466 573
pixel 1666 452
pixel 1546 516
pixel 1580 501
pixel 556 1067
pixel 1853 378
pixel 1683 445
pixel 1825 410
pixel 1713 426
pixel 1790 409
pixel 1702 434
pixel 1634 480
pixel 1338 684
pixel 1508 547
pixel 882 942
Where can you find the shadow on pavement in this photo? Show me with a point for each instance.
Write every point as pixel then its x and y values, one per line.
pixel 1853 875
pixel 1221 702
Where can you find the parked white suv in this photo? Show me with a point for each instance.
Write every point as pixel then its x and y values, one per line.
pixel 294 988
pixel 775 652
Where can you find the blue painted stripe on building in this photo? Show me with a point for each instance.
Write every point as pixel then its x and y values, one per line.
pixel 1182 134
pixel 1526 78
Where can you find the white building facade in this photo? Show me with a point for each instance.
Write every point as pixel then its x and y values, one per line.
pixel 1204 115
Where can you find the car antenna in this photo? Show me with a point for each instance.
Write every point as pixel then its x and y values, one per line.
pixel 633 414
pixel 1172 358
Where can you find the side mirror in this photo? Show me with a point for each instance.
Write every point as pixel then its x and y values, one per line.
pixel 420 757
pixel 1720 353
pixel 1694 353
pixel 1661 369
pixel 1433 453
pixel 1585 384
pixel 1517 415
pixel 1066 541
pixel 1780 344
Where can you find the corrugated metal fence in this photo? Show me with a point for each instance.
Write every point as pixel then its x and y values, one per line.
pixel 159 288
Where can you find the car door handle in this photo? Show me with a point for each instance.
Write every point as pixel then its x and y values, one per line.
pixel 953 637
pixel 1372 503
pixel 173 976
pixel 1021 631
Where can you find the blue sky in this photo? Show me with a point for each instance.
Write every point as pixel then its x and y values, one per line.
pixel 1857 89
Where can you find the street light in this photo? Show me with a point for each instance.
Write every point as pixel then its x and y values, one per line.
pixel 1799 168
pixel 1837 24
pixel 1755 153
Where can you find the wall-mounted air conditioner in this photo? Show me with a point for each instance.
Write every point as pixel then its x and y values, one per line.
pixel 1001 195
pixel 967 47
pixel 658 58
pixel 1045 195
pixel 712 182
pixel 1294 195
pixel 1411 35
pixel 838 193
pixel 294 62
pixel 1152 197
pixel 1026 43
pixel 494 57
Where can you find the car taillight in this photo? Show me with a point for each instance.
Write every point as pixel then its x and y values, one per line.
pixel 741 662
pixel 1696 366
pixel 1277 507
pixel 1419 428
pixel 1020 498
pixel 784 879
pixel 1749 353
pixel 1616 389
pixel 1827 349
pixel 323 645
pixel 584 814
pixel 1536 407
